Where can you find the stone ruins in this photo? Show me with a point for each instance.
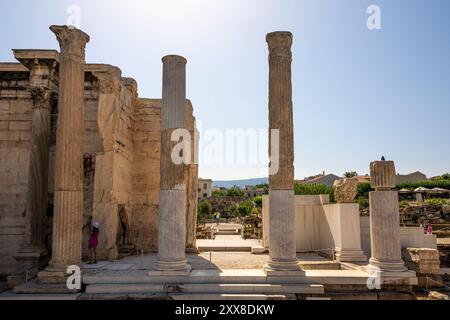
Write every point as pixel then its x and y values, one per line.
pixel 77 145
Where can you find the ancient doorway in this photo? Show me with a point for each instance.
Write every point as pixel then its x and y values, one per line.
pixel 123 239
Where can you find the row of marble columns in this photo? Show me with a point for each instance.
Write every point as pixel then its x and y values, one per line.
pixel 68 209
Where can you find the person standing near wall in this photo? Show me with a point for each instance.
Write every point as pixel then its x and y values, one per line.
pixel 93 243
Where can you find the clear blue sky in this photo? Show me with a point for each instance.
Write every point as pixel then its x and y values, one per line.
pixel 357 94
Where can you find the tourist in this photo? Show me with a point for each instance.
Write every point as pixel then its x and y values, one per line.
pixel 93 242
pixel 429 229
pixel 217 217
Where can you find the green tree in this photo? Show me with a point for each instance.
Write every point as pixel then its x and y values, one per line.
pixel 233 210
pixel 235 192
pixel 219 193
pixel 350 174
pixel 204 209
pixel 245 208
pixel 363 189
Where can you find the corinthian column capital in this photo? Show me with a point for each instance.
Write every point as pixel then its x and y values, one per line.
pixel 41 97
pixel 279 43
pixel 71 40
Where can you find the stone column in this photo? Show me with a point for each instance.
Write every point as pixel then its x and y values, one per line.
pixel 282 250
pixel 38 167
pixel 43 87
pixel 384 219
pixel 68 208
pixel 192 184
pixel 172 206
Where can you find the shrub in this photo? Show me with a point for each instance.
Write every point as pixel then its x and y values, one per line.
pixel 403 204
pixel 204 209
pixel 258 201
pixel 430 184
pixel 233 210
pixel 363 202
pixel 245 208
pixel 256 211
pixel 436 201
pixel 320 188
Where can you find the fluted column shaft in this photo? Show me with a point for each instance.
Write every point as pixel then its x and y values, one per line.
pixel 172 207
pixel 38 167
pixel 282 249
pixel 192 183
pixel 68 207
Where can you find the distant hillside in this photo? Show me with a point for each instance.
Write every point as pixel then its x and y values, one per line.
pixel 239 183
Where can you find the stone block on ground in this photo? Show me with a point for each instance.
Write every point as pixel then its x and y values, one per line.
pixel 422 260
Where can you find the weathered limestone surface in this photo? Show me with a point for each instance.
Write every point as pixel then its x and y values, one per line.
pixel 345 190
pixel 191 176
pixel 145 174
pixel 321 226
pixel 422 260
pixel 282 251
pixel 384 219
pixel 344 222
pixel 172 206
pixel 16 110
pixel 43 87
pixel 382 175
pixel 426 263
pixel 113 180
pixel 120 163
pixel 68 212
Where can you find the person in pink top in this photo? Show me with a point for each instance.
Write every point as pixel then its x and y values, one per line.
pixel 93 242
pixel 429 229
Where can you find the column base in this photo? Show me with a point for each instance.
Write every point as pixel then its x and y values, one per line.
pixel 54 274
pixel 50 275
pixel 283 268
pixel 28 261
pixel 376 265
pixel 179 267
pixel 350 255
pixel 165 268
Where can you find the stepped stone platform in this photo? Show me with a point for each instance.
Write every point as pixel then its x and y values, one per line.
pixel 228 276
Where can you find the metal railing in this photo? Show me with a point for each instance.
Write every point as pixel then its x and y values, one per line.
pixel 437 282
pixel 36 267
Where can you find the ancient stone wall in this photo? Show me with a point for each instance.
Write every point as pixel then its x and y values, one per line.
pixel 114 158
pixel 121 162
pixel 145 175
pixel 15 126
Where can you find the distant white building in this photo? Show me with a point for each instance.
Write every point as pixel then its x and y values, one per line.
pixel 204 188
